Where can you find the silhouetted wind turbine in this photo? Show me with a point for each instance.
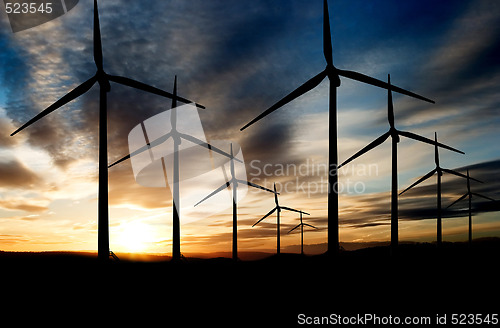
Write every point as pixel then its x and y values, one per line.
pixel 395 134
pixel 103 79
pixel 233 182
pixel 439 170
pixel 301 225
pixel 177 137
pixel 470 193
pixel 277 209
pixel 333 75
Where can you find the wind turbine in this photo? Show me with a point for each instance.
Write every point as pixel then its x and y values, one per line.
pixel 277 209
pixel 103 79
pixel 233 182
pixel 333 75
pixel 301 225
pixel 177 138
pixel 395 134
pixel 470 193
pixel 439 170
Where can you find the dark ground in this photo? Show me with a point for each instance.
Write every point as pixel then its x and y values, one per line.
pixel 72 288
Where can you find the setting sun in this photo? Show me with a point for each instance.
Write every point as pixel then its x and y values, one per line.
pixel 135 236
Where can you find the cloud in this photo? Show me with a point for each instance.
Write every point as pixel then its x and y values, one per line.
pixel 248 50
pixel 419 203
pixel 23 205
pixel 16 175
pixel 238 59
pixel 206 52
pixel 125 192
pixel 6 141
pixel 7 239
pixel 464 73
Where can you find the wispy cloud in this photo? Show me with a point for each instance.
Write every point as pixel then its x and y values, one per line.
pixel 238 59
pixel 14 174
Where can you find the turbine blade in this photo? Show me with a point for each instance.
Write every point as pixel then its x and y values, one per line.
pixel 378 83
pixel 174 99
pixel 119 161
pixel 73 94
pixel 422 179
pixel 459 174
pixel 390 105
pixel 206 145
pixel 310 225
pixel 255 185
pixel 145 87
pixel 97 39
pixel 312 83
pixel 327 37
pixel 482 196
pixel 427 140
pixel 163 138
pixel 148 146
pixel 370 146
pixel 224 186
pixel 467 194
pixel 298 225
pixel 436 150
pixel 265 216
pixel 292 209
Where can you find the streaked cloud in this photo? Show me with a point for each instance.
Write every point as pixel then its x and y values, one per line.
pixel 14 175
pixel 237 59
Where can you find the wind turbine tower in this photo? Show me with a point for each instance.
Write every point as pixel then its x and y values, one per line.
pixel 333 74
pixel 103 79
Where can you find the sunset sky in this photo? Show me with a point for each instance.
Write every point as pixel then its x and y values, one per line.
pixel 238 58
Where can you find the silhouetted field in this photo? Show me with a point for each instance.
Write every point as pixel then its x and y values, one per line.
pixel 419 280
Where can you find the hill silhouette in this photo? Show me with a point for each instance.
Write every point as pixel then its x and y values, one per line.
pixel 275 289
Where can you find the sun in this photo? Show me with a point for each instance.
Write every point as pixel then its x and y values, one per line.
pixel 136 236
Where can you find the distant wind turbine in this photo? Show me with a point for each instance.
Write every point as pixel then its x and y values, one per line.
pixel 301 225
pixel 177 138
pixel 233 182
pixel 277 209
pixel 439 170
pixel 470 193
pixel 333 75
pixel 395 134
pixel 103 79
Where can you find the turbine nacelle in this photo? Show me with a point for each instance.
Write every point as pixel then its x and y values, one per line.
pixel 469 193
pixel 103 80
pixel 176 137
pixel 390 111
pixel 439 170
pixel 331 70
pixel 394 134
pixel 333 76
pixel 277 208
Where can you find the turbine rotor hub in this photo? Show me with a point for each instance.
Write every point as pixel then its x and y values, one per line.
pixel 395 134
pixel 333 76
pixel 102 79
